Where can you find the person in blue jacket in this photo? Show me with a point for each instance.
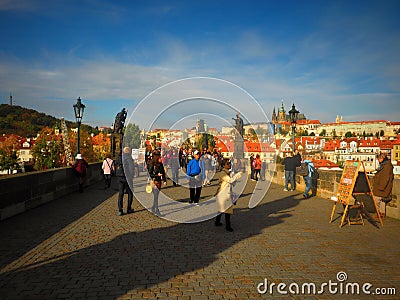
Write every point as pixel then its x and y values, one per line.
pixel 195 173
pixel 308 180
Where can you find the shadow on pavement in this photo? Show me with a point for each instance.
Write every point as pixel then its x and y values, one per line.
pixel 139 259
pixel 25 231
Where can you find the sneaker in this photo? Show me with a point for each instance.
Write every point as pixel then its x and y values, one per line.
pixel 130 210
pixel 285 189
pixel 120 213
pixel 305 196
pixel 230 229
pixel 197 204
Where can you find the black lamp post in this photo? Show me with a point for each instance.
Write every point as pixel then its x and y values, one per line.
pixel 78 109
pixel 293 119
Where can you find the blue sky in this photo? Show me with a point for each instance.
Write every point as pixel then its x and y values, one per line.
pixel 328 57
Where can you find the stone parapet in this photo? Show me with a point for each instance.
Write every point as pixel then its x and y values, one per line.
pixel 21 192
pixel 328 183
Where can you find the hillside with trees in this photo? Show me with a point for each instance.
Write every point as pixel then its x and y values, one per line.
pixel 27 122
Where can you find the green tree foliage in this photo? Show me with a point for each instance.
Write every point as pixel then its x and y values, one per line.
pixel 48 151
pixel 323 132
pixel 348 134
pixel 132 136
pixel 28 122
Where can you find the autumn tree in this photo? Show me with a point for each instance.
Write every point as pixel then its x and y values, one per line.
pixel 86 145
pixel 8 153
pixel 48 151
pixel 101 145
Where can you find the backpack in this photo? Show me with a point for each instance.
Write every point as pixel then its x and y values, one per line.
pixel 302 170
pixel 80 167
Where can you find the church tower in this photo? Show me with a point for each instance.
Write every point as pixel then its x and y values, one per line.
pixel 281 114
pixel 274 118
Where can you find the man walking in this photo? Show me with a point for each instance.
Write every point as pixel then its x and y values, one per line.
pixel 195 175
pixel 124 172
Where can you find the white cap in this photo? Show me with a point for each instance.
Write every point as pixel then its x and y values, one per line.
pixel 79 156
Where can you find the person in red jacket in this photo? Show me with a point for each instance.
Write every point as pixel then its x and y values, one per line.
pixel 257 167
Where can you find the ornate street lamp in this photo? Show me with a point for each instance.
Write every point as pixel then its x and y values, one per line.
pixel 78 109
pixel 293 119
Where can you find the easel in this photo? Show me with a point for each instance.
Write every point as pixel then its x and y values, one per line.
pixel 354 183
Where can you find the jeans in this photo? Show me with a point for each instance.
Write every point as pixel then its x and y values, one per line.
pixel 195 189
pixel 122 187
pixel 308 182
pixel 175 175
pixel 289 178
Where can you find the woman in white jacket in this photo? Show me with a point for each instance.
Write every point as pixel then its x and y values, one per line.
pixel 223 196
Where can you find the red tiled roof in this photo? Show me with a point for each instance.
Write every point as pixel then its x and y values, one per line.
pixel 324 163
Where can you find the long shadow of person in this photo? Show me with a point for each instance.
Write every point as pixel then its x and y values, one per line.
pixel 139 259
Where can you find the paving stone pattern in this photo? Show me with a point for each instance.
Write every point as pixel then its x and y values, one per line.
pixel 77 247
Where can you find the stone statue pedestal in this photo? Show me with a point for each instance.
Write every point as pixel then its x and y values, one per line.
pixel 116 144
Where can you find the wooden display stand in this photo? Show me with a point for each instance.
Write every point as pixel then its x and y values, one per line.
pixel 354 183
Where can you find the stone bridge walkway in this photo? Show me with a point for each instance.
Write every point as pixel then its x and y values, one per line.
pixel 79 248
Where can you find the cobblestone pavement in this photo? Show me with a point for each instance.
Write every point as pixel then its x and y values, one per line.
pixel 78 247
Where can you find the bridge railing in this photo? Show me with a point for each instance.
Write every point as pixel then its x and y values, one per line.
pixel 328 183
pixel 21 192
pixel 24 191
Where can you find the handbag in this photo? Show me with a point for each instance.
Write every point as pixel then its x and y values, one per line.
pixel 149 188
pixel 234 197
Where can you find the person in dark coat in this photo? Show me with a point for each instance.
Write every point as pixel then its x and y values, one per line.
pixel 157 174
pixel 124 172
pixel 383 183
pixel 290 163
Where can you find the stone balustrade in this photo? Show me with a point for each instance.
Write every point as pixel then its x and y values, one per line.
pixel 328 183
pixel 21 192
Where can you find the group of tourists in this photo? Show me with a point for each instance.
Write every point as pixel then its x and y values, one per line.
pixel 200 168
pixel 310 175
pixel 258 167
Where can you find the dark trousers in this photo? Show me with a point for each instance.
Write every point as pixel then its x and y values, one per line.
pixel 195 189
pixel 227 220
pixel 123 187
pixel 256 174
pixel 107 178
pixel 252 174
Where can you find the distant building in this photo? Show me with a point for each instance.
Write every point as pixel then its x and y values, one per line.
pixel 283 117
pixel 359 128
